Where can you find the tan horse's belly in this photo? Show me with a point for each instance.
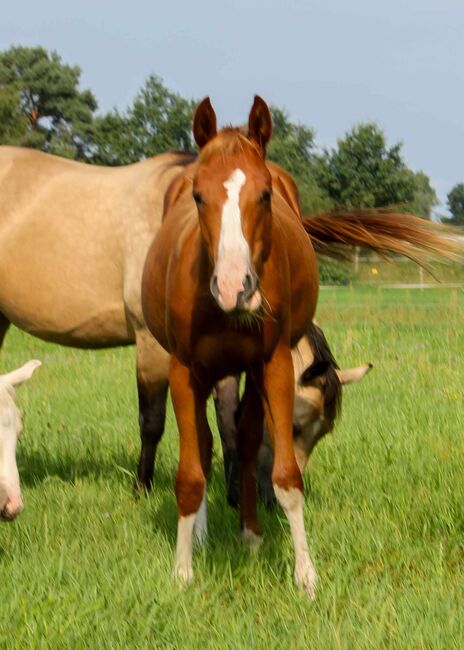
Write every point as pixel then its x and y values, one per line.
pixel 70 294
pixel 68 322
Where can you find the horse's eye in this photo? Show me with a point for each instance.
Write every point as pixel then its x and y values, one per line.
pixel 197 198
pixel 265 197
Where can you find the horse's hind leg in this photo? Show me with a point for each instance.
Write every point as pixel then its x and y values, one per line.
pixel 264 464
pixel 152 385
pixel 250 433
pixel 205 442
pixel 226 400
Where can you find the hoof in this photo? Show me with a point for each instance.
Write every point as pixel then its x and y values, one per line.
pixel 183 574
pixel 306 578
pixel 251 540
pixel 141 489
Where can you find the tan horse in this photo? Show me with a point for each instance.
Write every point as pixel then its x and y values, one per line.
pixel 73 240
pixel 230 284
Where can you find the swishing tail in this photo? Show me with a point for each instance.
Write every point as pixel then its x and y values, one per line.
pixel 385 232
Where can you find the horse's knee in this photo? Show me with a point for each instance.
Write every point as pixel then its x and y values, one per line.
pixel 189 492
pixel 287 476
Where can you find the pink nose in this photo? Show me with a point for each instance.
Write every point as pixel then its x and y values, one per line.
pixel 12 509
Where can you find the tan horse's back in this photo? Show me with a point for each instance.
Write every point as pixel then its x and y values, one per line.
pixel 73 239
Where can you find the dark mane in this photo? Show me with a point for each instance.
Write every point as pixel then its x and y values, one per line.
pixel 184 158
pixel 323 357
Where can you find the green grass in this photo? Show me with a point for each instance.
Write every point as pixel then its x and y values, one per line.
pixel 86 566
pixel 377 270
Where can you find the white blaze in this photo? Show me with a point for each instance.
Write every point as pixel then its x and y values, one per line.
pixel 292 503
pixel 233 258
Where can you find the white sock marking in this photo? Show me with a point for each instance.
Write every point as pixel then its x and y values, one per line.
pixel 292 504
pixel 201 520
pixel 251 539
pixel 183 568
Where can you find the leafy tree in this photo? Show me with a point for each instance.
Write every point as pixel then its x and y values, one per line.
pixel 158 121
pixel 362 172
pixel 58 115
pixel 456 204
pixel 424 198
pixel 13 124
pixel 292 147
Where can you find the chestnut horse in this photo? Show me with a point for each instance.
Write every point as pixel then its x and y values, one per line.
pixel 230 284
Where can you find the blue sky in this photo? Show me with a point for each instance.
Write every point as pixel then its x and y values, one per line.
pixel 329 64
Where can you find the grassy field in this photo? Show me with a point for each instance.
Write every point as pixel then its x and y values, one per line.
pixel 85 566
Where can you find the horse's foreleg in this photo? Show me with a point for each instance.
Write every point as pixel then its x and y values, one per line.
pixel 250 433
pixel 226 400
pixel 189 403
pixel 286 476
pixel 152 413
pixel 152 386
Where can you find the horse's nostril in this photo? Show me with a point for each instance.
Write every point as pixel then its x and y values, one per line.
pixel 213 285
pixel 250 284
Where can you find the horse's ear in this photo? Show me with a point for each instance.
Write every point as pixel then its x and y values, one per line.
pixel 352 375
pixel 204 123
pixel 260 123
pixel 20 375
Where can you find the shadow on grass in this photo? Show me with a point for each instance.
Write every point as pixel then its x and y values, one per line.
pixel 224 549
pixel 35 466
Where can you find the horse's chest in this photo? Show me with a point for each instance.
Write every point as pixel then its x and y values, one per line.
pixel 214 357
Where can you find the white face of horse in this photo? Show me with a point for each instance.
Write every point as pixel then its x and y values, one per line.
pixel 11 502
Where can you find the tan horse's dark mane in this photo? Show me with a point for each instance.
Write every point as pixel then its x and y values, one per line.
pixel 331 388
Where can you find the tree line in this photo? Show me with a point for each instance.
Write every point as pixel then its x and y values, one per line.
pixel 42 106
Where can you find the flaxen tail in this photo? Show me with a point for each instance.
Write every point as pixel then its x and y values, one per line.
pixel 385 232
